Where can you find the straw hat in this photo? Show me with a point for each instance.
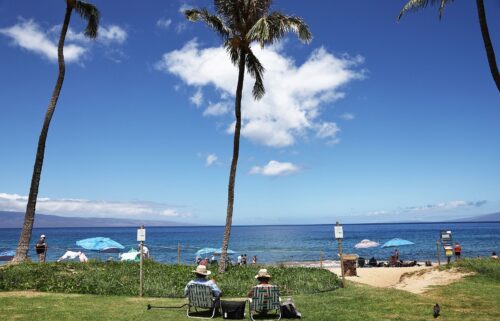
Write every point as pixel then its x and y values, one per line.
pixel 202 269
pixel 263 274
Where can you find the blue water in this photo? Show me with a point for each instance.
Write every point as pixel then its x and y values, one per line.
pixel 274 243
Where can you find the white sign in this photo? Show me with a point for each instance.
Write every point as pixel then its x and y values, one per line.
pixel 339 232
pixel 141 235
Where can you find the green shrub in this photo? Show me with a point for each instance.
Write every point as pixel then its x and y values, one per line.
pixel 483 266
pixel 161 280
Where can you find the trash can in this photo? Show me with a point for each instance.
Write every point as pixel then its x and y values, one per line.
pixel 350 261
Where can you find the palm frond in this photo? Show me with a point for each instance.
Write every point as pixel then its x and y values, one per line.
pixel 271 28
pixel 256 70
pixel 91 14
pixel 415 5
pixel 212 21
pixel 232 51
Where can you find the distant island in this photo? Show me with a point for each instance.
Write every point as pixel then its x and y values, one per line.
pixel 494 217
pixel 16 220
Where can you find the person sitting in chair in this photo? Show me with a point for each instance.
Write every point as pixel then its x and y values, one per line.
pixel 263 277
pixel 201 274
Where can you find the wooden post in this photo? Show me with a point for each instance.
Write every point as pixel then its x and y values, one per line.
pixel 321 259
pixel 141 272
pixel 178 253
pixel 339 240
pixel 438 252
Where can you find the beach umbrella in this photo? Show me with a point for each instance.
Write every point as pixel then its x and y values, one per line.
pixel 219 251
pixel 205 251
pixel 365 244
pixel 7 255
pixel 397 242
pixel 101 244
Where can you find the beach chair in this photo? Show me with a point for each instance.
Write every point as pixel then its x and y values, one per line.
pixel 200 297
pixel 265 299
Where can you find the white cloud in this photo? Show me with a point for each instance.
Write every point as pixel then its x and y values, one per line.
pixel 164 23
pixel 275 168
pixel 197 98
pixel 347 116
pixel 112 34
pixel 211 159
pixel 185 7
pixel 180 27
pixel 82 207
pixel 327 130
pixel 217 109
pixel 106 35
pixel 295 93
pixel 450 205
pixel 28 35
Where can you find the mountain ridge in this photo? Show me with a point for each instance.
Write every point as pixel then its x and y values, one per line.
pixel 16 219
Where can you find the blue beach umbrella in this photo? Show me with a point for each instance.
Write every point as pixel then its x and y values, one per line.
pixel 205 251
pixel 7 255
pixel 219 251
pixel 101 244
pixel 397 242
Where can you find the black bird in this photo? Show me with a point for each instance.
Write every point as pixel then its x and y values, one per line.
pixel 437 309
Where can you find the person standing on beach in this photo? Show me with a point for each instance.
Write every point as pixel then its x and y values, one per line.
pixel 397 255
pixel 254 259
pixel 458 251
pixel 41 248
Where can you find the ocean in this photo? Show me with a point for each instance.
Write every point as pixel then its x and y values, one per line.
pixel 273 244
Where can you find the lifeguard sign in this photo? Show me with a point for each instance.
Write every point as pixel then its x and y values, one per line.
pixel 447 243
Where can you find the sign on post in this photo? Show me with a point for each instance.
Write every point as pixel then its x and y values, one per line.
pixel 141 235
pixel 339 232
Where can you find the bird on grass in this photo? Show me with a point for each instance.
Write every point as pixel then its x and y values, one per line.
pixel 437 309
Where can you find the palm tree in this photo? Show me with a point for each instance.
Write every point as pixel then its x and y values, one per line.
pixel 240 23
pixel 89 13
pixel 414 5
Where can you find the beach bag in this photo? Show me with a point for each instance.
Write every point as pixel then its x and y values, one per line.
pixel 289 311
pixel 233 309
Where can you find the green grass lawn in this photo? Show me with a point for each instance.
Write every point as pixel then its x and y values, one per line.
pixel 472 298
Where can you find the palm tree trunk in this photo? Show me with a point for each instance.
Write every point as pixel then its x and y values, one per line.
pixel 490 52
pixel 29 218
pixel 234 163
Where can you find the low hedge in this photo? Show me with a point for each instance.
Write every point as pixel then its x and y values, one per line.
pixel 483 266
pixel 161 280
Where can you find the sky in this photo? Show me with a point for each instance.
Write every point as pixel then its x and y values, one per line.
pixel 373 121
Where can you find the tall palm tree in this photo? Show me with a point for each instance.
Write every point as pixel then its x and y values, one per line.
pixel 414 5
pixel 89 13
pixel 240 23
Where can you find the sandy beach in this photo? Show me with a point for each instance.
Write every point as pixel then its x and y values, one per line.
pixel 383 277
pixel 416 279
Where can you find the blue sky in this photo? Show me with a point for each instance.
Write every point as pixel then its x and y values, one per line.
pixel 373 121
